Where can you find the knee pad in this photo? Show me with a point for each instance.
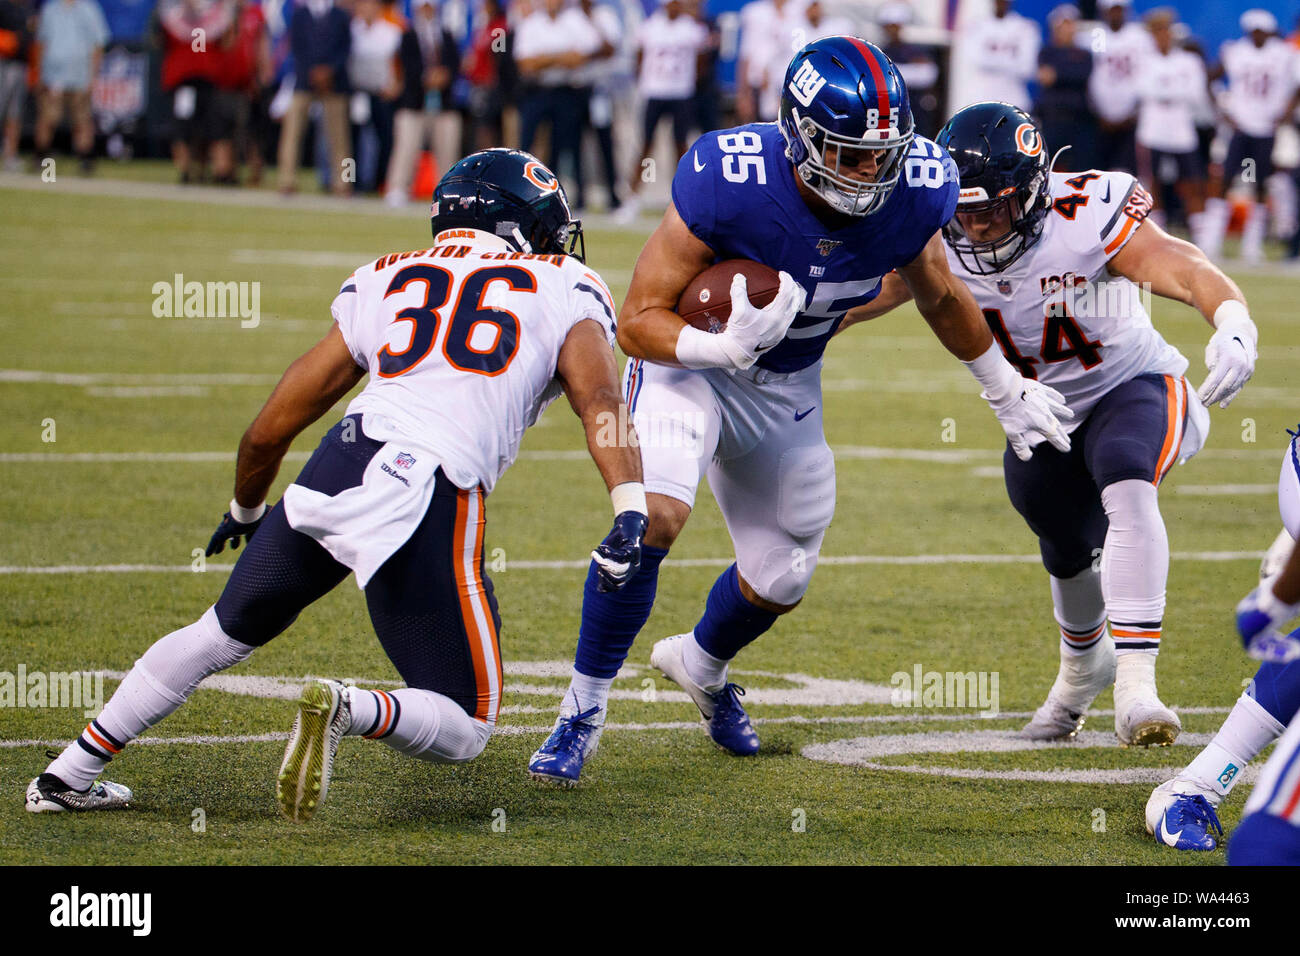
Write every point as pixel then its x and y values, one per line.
pixel 784 574
pixel 806 497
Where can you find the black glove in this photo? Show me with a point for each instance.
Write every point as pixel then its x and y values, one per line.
pixel 231 530
pixel 619 556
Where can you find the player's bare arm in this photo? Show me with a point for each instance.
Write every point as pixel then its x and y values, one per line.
pixel 945 303
pixel 1178 270
pixel 589 374
pixel 650 328
pixel 893 293
pixel 307 390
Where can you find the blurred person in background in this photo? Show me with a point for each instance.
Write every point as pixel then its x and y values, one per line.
pixel 596 89
pixel 551 45
pixel 670 45
pixel 430 61
pixel 71 34
pixel 1062 105
pixel 708 92
pixel 373 76
pixel 1259 71
pixel 1119 47
pixel 916 64
pixel 320 38
pixel 194 34
pixel 15 51
pixel 1001 53
pixel 763 41
pixel 245 77
pixel 489 69
pixel 815 24
pixel 1172 89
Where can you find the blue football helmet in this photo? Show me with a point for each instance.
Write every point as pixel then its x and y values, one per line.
pixel 1002 161
pixel 842 98
pixel 511 194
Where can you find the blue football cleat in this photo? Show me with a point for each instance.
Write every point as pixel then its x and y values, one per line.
pixel 559 760
pixel 1183 821
pixel 726 721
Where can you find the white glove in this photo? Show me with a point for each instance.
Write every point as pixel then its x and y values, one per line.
pixel 1230 355
pixel 751 331
pixel 1028 411
pixel 1030 416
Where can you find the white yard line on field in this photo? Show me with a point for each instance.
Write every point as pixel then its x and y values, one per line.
pixel 577 564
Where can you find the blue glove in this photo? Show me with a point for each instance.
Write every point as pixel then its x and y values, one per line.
pixel 1259 617
pixel 619 556
pixel 232 531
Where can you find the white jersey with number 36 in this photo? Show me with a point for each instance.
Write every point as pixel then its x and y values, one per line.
pixel 461 341
pixel 1058 313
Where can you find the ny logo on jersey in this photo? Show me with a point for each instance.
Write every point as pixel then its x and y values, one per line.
pixel 806 83
pixel 827 246
pixel 404 460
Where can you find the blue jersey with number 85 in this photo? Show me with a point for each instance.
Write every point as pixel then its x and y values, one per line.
pixel 735 190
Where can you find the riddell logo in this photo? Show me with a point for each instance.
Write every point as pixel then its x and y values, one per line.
pixel 1027 139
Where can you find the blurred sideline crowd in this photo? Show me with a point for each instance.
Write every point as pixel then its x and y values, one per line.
pixel 376 96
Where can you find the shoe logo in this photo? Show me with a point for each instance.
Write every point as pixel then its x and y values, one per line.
pixel 699 166
pixel 1106 198
pixel 800 416
pixel 1170 839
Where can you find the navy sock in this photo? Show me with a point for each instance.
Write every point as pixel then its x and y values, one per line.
pixel 730 622
pixel 1276 688
pixel 611 621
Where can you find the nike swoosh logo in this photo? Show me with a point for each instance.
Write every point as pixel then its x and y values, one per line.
pixel 1105 199
pixel 800 416
pixel 1170 839
pixel 695 158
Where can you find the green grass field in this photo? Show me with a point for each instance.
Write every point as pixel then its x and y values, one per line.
pixel 122 391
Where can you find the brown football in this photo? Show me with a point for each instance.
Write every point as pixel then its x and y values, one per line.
pixel 706 302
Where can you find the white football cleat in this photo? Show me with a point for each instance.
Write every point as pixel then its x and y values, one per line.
pixel 1078 682
pixel 1141 720
pixel 48 794
pixel 721 711
pixel 324 716
pixel 666 655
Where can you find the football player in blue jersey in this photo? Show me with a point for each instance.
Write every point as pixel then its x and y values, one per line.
pixel 1182 812
pixel 834 196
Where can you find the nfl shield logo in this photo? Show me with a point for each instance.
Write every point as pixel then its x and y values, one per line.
pixel 827 246
pixel 404 460
pixel 1004 286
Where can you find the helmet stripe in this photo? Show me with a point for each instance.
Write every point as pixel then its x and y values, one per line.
pixel 878 76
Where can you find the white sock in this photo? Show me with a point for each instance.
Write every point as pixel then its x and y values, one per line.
pixel 372 712
pixel 1216 224
pixel 161 680
pixel 1252 233
pixel 430 726
pixel 1248 730
pixel 1080 611
pixel 584 693
pixel 1134 566
pixel 702 667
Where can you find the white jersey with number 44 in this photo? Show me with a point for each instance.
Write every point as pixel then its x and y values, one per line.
pixel 1058 313
pixel 461 341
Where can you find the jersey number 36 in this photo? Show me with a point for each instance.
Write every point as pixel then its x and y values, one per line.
pixel 479 340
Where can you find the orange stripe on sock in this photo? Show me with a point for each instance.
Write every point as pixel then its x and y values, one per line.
pixel 386 705
pixel 1120 632
pixel 1082 638
pixel 101 741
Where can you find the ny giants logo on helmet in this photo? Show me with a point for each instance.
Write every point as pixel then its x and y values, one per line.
pixel 541 177
pixel 1027 139
pixel 806 83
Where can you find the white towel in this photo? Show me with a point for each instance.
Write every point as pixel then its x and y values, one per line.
pixel 363 526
